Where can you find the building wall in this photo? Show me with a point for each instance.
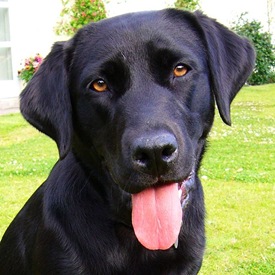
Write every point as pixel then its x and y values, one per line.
pixel 31 31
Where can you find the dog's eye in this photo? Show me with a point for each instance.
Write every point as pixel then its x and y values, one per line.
pixel 99 86
pixel 180 70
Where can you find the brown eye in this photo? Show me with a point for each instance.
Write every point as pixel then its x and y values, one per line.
pixel 99 86
pixel 180 70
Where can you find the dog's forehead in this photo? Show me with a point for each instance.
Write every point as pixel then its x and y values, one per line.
pixel 132 32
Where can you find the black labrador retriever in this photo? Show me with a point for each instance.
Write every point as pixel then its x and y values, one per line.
pixel 130 102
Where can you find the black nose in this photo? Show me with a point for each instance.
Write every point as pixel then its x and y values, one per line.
pixel 154 154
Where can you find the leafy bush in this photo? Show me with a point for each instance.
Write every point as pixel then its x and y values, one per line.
pixel 78 13
pixel 190 5
pixel 264 71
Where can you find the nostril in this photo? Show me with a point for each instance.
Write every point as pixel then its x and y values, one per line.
pixel 141 157
pixel 169 153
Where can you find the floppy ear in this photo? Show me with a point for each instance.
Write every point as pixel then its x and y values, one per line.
pixel 45 102
pixel 231 60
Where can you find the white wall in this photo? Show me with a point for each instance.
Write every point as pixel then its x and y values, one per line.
pixel 31 29
pixel 32 23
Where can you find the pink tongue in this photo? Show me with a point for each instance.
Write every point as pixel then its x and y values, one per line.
pixel 157 216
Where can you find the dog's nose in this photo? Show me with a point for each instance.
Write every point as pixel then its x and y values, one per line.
pixel 154 154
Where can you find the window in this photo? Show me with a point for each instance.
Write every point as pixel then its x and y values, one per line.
pixel 5 44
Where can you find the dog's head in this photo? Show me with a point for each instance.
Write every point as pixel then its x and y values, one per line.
pixel 137 93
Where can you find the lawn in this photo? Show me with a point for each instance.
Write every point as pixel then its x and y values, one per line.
pixel 238 175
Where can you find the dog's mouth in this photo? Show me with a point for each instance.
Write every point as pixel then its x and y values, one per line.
pixel 184 188
pixel 157 213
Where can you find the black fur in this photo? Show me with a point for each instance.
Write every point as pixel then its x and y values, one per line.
pixel 79 220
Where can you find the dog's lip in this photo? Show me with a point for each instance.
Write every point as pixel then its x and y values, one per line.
pixel 184 188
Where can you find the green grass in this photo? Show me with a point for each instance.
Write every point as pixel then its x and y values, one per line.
pixel 26 158
pixel 238 175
